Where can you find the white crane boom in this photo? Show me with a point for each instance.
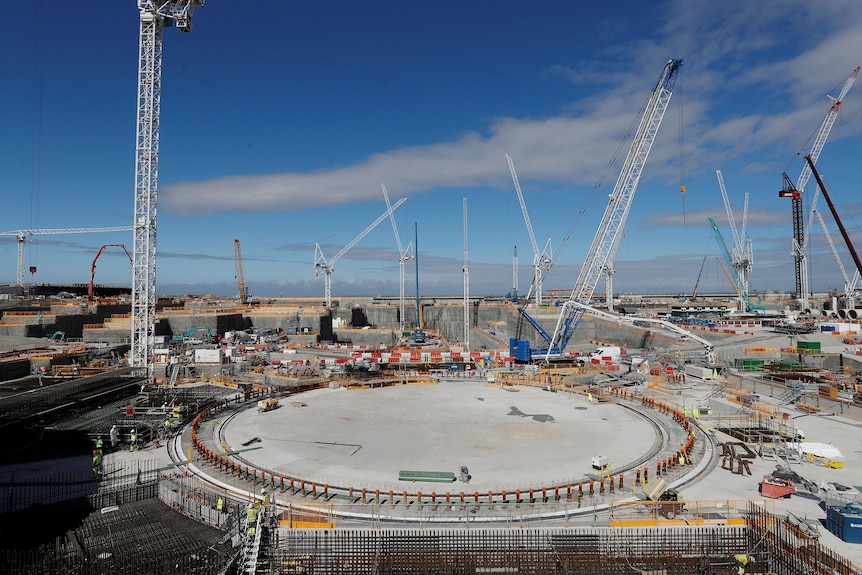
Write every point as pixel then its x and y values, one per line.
pixel 601 253
pixel 404 255
pixel 22 235
pixel 328 266
pixel 154 16
pixel 731 220
pixel 541 260
pixel 709 347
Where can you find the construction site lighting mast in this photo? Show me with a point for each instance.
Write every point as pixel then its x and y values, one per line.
pixel 155 15
pixel 320 262
pixel 599 258
pixel 22 235
pixel 466 271
pixel 795 193
pixel 404 256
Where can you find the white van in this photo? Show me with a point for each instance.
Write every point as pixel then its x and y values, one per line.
pixel 605 353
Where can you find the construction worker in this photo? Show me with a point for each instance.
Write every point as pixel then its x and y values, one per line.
pixel 220 505
pixel 590 397
pixel 168 427
pixel 696 412
pixel 681 459
pixel 742 560
pixel 134 439
pixel 99 445
pixel 251 517
pixel 97 462
pixel 115 436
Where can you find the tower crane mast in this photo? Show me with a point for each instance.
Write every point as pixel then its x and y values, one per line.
pixel 320 262
pixel 404 255
pixel 800 239
pixel 601 253
pixel 155 15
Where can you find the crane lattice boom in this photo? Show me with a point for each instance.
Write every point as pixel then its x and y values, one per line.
pixel 600 256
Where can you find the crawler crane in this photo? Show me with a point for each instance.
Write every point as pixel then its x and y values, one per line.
pixel 599 258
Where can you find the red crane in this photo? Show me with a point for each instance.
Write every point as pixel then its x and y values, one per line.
pixel 93 265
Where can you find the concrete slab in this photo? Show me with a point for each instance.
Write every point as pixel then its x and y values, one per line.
pixel 508 438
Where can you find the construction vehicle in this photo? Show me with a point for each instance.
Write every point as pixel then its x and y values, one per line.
pixel 669 501
pixel 240 277
pixel 267 404
pixel 599 260
pixel 697 283
pixel 93 265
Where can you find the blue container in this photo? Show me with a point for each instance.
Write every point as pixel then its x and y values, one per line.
pixel 845 522
pixel 827 328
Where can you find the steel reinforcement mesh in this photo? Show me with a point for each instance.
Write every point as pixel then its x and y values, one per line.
pixel 591 550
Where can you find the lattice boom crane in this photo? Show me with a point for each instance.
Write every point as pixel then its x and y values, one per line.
pixel 600 256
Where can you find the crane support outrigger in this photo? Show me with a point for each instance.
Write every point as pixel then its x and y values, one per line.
pixel 603 249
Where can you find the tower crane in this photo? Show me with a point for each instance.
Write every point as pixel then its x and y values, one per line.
pixel 240 277
pixel 740 284
pixel 800 239
pixel 320 262
pixel 601 253
pixel 93 265
pixel 155 15
pixel 541 260
pixel 404 255
pixel 742 254
pixel 22 235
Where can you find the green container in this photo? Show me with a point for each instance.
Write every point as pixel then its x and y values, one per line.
pixel 810 345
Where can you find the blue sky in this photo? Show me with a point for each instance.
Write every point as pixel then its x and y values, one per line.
pixel 280 120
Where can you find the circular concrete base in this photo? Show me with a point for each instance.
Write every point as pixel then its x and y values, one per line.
pixel 509 438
